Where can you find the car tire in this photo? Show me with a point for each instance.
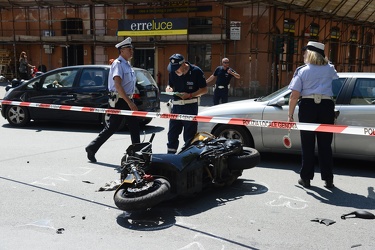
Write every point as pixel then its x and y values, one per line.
pixel 235 132
pixel 18 116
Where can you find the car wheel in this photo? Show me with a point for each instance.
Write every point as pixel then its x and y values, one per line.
pixel 235 132
pixel 18 116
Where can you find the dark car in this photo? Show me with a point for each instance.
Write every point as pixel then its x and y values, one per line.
pixel 84 85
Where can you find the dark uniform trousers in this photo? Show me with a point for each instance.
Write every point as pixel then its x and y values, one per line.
pixel 323 113
pixel 115 122
pixel 221 94
pixel 176 126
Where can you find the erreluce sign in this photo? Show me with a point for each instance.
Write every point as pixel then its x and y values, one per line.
pixel 153 27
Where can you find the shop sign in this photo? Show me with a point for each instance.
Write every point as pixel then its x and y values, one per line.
pixel 153 27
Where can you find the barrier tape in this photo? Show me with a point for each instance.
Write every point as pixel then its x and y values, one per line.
pixel 339 129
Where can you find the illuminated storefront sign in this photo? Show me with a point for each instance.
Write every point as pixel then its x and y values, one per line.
pixel 153 27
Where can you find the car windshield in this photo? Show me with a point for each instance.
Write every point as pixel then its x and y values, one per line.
pixel 144 78
pixel 272 95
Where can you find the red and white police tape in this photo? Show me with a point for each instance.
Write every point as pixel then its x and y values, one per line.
pixel 339 129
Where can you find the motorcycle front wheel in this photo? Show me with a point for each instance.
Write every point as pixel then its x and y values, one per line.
pixel 130 198
pixel 248 159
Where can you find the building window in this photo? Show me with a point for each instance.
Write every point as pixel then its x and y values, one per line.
pixel 71 26
pixel 352 50
pixel 368 48
pixel 291 42
pixel 314 31
pixel 334 45
pixel 200 55
pixel 200 25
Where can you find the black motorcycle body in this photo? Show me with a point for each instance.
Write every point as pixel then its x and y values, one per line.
pixel 204 162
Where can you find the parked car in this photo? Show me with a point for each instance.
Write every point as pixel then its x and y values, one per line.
pixel 84 85
pixel 354 96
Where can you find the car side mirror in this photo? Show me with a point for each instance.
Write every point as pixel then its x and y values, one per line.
pixel 37 86
pixel 281 102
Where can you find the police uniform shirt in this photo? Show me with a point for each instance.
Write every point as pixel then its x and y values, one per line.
pixel 223 77
pixel 193 80
pixel 314 79
pixel 120 67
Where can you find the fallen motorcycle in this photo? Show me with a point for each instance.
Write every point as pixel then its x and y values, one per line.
pixel 147 179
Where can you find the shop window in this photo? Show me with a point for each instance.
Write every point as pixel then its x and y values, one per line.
pixel 368 48
pixel 200 25
pixel 200 55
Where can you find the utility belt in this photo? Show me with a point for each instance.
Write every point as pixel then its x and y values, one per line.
pixel 113 98
pixel 221 87
pixel 187 101
pixel 317 97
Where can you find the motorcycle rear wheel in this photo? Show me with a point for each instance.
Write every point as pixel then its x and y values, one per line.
pixel 145 198
pixel 249 159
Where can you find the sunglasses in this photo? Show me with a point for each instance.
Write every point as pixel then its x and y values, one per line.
pixel 226 62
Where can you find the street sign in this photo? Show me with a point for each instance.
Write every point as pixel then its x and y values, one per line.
pixel 235 30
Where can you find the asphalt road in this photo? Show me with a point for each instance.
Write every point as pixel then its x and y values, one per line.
pixel 50 199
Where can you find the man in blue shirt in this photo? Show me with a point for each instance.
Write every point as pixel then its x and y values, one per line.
pixel 190 83
pixel 223 75
pixel 121 85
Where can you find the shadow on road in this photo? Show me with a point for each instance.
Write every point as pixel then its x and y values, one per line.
pixel 342 166
pixel 40 126
pixel 163 215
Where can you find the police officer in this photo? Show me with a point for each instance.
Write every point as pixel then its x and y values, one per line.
pixel 121 85
pixel 223 75
pixel 190 83
pixel 311 88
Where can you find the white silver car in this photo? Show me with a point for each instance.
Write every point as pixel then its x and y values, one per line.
pixel 354 95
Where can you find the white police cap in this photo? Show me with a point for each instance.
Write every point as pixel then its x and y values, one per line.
pixel 127 43
pixel 315 46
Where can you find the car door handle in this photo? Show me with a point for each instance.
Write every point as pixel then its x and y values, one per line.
pixel 67 94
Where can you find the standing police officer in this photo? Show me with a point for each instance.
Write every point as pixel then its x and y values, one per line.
pixel 223 74
pixel 313 83
pixel 190 83
pixel 121 84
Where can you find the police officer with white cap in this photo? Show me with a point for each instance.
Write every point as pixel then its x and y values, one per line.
pixel 121 85
pixel 190 83
pixel 311 88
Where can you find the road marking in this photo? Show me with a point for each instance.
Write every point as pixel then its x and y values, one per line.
pixel 284 201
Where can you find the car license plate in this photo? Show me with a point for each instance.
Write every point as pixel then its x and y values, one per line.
pixel 151 94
